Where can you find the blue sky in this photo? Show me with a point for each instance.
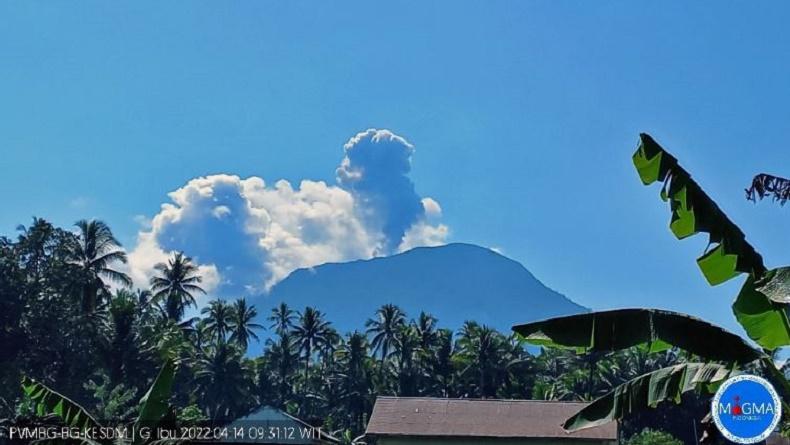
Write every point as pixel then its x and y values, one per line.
pixel 523 116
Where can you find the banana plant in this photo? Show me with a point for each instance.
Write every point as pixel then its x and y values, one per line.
pixel 760 307
pixel 765 185
pixel 154 405
pixel 654 331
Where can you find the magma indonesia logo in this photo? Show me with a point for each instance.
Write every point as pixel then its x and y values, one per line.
pixel 746 409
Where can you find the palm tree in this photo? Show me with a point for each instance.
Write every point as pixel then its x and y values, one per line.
pixel 224 381
pixel 241 323
pixel 33 244
pixel 311 333
pixel 407 344
pixel 480 348
pixel 440 367
pixel 355 380
pixel 218 319
pixel 384 328
pixel 199 334
pixel 282 319
pixel 119 343
pixel 93 253
pixel 282 358
pixel 176 284
pixel 331 342
pixel 426 330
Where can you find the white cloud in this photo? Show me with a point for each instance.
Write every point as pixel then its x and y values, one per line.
pixel 432 208
pixel 423 234
pixel 220 211
pixel 247 235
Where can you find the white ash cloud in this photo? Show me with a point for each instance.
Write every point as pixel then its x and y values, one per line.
pixel 247 234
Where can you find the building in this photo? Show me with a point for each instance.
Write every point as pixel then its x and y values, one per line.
pixel 269 425
pixel 434 421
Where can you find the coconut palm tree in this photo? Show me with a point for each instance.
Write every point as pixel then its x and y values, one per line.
pixel 175 285
pixel 119 344
pixel 242 327
pixel 355 379
pixel 480 348
pixel 199 334
pixel 218 319
pixel 282 357
pixel 406 349
pixel 332 341
pixel 93 252
pixel 310 334
pixel 33 246
pixel 224 381
pixel 282 319
pixel 384 328
pixel 439 364
pixel 426 330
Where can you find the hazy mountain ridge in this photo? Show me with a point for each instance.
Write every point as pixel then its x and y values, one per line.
pixel 454 282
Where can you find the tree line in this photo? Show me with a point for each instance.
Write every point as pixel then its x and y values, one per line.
pixel 70 319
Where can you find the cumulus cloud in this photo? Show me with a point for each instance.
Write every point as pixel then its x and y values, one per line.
pixel 426 231
pixel 247 235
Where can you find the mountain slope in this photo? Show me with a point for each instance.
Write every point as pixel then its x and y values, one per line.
pixel 455 282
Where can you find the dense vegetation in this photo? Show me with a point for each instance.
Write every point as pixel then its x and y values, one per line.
pixel 653 437
pixel 761 308
pixel 71 321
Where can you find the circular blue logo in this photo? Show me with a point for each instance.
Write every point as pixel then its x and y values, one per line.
pixel 746 409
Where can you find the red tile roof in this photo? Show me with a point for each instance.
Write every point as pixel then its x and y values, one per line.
pixel 420 416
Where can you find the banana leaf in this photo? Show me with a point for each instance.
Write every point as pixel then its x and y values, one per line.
pixel 653 329
pixel 762 310
pixel 765 185
pixel 155 404
pixel 49 401
pixel 647 391
pixel 693 211
pixel 762 304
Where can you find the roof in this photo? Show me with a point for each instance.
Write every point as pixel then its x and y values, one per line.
pixel 267 417
pixel 422 416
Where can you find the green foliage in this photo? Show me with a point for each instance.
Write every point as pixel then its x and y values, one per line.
pixel 153 406
pixel 647 391
pixel 175 286
pixel 94 252
pixel 653 437
pixel 114 403
pixel 761 306
pixel 693 211
pixel 653 329
pixel 303 366
pixel 191 415
pixel 51 402
pixel 156 402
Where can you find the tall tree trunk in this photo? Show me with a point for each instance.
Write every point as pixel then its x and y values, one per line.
pixel 384 350
pixel 482 382
pixel 307 363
